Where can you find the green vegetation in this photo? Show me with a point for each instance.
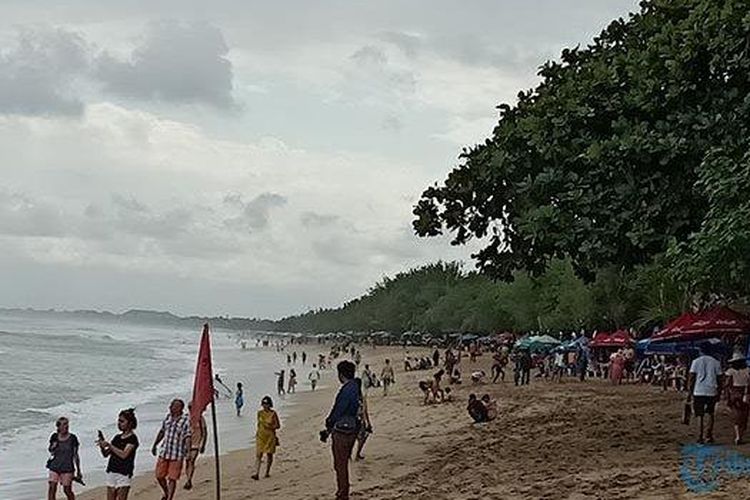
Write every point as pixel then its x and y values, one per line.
pixel 630 148
pixel 608 196
pixel 441 298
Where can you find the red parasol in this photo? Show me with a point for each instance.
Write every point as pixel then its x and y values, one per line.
pixel 620 338
pixel 707 323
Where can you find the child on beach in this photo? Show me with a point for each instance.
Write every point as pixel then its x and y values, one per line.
pixel 121 452
pixel 64 464
pixel 292 381
pixel 280 382
pixel 265 436
pixel 239 399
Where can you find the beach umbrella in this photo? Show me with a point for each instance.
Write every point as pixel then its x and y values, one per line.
pixel 711 322
pixel 620 338
pixel 545 340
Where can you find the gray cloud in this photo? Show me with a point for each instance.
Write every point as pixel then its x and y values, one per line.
pixel 37 75
pixel 255 214
pixel 22 216
pixel 175 62
pixel 409 44
pixel 465 48
pixel 314 219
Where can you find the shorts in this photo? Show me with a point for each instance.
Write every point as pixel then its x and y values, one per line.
pixel 115 480
pixel 704 405
pixel 61 478
pixel 168 469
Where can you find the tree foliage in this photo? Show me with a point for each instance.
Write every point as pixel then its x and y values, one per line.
pixel 612 158
pixel 442 298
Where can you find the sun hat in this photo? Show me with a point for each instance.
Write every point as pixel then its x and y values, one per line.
pixel 737 357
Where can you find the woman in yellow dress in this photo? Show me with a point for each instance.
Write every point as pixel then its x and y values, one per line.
pixel 265 437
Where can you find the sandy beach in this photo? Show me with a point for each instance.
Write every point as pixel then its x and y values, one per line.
pixel 570 440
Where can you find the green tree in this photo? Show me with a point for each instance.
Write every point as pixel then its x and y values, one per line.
pixel 601 162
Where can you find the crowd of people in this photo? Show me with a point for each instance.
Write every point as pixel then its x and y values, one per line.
pixel 181 439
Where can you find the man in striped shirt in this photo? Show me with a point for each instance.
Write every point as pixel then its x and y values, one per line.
pixel 175 437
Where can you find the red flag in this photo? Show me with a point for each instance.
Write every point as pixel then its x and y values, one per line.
pixel 203 388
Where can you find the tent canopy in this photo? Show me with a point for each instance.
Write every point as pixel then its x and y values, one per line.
pixel 711 322
pixel 620 338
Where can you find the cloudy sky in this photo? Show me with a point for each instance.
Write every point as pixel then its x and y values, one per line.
pixel 245 157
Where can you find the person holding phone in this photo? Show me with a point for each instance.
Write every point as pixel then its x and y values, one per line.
pixel 64 464
pixel 121 452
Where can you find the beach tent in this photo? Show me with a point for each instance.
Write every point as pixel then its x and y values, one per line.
pixel 620 338
pixel 538 343
pixel 712 322
pixel 648 347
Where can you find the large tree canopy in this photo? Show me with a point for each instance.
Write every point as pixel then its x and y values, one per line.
pixel 601 163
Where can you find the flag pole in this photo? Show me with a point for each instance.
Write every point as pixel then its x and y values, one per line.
pixel 216 449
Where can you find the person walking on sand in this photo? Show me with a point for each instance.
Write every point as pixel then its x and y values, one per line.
pixel 304 357
pixel 280 382
pixel 64 464
pixel 121 452
pixel 387 376
pixel 266 440
pixel 343 425
pixel 313 377
pixel 239 399
pixel 174 437
pixel 198 438
pixel 704 385
pixel 292 381
pixel 436 357
pixel 737 382
pixel 365 428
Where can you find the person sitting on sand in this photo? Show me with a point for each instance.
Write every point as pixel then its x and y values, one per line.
pixel 199 435
pixel 448 395
pixel 478 377
pixel 476 409
pixel 426 388
pixel 265 436
pixel 491 406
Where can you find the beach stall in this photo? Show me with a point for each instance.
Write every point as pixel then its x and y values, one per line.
pixel 719 322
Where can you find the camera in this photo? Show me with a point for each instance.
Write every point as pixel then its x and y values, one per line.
pixel 324 436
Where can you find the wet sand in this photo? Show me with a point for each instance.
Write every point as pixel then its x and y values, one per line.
pixel 570 440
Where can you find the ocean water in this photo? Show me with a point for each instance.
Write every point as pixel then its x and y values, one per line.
pixel 90 371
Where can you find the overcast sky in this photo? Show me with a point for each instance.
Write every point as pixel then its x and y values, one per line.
pixel 245 157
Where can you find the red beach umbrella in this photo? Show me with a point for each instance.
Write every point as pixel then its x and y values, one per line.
pixel 711 322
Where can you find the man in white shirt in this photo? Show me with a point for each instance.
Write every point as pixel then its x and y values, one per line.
pixel 704 387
